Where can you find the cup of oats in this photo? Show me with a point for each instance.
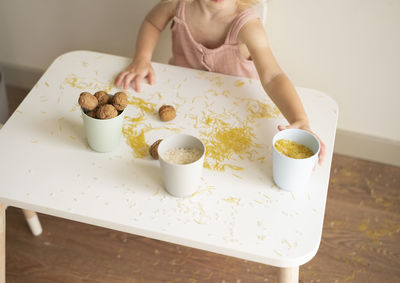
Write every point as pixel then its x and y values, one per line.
pixel 181 160
pixel 294 155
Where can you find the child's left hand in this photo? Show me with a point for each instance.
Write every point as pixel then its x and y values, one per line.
pixel 300 125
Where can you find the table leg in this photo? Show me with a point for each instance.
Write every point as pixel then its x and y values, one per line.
pixel 33 221
pixel 288 275
pixel 2 243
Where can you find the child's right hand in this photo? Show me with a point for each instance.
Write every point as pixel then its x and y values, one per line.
pixel 139 69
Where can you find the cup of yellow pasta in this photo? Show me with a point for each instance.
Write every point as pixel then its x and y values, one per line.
pixel 294 155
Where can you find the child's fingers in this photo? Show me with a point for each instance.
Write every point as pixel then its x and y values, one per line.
pixel 322 151
pixel 120 77
pixel 280 127
pixel 151 77
pixel 138 81
pixel 295 125
pixel 128 79
pixel 292 126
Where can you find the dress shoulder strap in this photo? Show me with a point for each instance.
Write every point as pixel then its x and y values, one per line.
pixel 180 10
pixel 238 23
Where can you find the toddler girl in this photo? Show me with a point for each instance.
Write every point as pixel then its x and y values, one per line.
pixel 224 36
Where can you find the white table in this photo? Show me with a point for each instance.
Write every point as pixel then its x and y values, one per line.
pixel 46 165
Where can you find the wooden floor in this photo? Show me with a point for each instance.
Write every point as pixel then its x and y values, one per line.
pixel 360 241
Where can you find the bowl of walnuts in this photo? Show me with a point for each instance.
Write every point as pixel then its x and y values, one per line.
pixel 103 116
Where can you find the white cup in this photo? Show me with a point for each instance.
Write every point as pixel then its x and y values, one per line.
pixel 103 135
pixel 292 174
pixel 181 180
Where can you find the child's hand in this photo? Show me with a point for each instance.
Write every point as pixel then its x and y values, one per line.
pixel 135 73
pixel 303 126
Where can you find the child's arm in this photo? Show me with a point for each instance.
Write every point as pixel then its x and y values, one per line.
pixel 149 34
pixel 275 82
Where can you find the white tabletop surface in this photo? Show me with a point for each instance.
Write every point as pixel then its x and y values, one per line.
pixel 47 166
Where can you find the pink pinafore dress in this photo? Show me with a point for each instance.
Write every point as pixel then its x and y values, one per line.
pixel 225 59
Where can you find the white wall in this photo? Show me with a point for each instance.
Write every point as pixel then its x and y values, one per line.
pixel 346 48
pixel 349 49
pixel 34 32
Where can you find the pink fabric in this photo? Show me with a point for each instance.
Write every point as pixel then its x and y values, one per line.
pixel 225 59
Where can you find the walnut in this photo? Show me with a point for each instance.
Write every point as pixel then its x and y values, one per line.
pixel 92 113
pixel 153 150
pixel 102 97
pixel 87 101
pixel 120 100
pixel 167 113
pixel 106 111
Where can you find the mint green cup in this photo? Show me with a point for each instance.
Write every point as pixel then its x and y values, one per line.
pixel 103 135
